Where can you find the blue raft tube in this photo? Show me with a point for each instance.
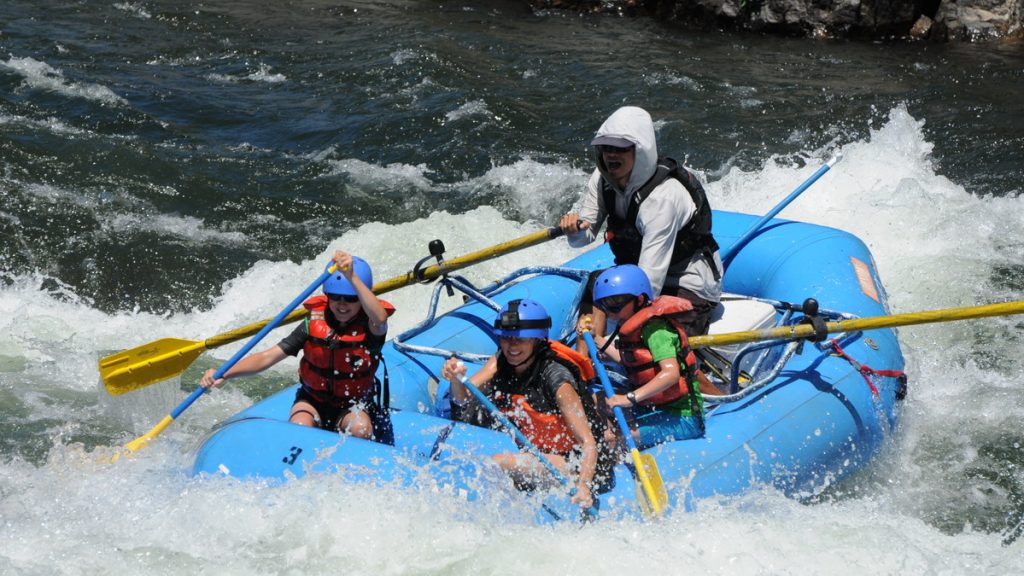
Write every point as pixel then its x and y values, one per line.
pixel 797 416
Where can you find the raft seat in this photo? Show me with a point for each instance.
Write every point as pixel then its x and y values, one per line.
pixel 737 314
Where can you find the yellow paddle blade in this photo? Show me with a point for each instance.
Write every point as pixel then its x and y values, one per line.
pixel 650 490
pixel 163 359
pixel 149 363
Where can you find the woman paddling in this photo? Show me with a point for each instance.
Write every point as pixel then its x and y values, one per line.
pixel 340 343
pixel 535 382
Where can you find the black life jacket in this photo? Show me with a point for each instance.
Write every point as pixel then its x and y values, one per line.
pixel 695 237
pixel 526 396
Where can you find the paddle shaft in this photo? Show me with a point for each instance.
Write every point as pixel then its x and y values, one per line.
pixel 149 363
pixel 799 331
pixel 426 275
pixel 627 434
pixel 749 234
pixel 523 440
pixel 141 441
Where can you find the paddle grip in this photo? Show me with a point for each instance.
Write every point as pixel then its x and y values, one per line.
pixel 273 323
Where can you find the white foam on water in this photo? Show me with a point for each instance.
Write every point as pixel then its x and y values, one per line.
pixel 51 124
pixel 189 228
pixel 374 176
pixel 262 74
pixel 935 245
pixel 39 75
pixel 471 108
pixel 136 9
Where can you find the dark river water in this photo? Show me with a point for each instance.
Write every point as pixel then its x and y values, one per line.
pixel 178 169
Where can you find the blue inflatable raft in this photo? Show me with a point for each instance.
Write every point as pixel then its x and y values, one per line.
pixel 798 416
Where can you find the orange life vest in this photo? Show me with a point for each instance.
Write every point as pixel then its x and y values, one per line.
pixel 526 405
pixel 338 366
pixel 637 358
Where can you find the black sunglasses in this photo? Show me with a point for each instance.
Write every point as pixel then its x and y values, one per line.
pixel 606 149
pixel 613 304
pixel 343 298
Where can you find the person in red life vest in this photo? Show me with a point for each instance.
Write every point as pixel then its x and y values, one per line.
pixel 652 346
pixel 340 342
pixel 658 218
pixel 536 383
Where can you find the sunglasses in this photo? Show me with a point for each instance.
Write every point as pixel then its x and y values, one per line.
pixel 606 149
pixel 343 298
pixel 613 304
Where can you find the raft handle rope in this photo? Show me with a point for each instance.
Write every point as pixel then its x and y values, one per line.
pixel 867 371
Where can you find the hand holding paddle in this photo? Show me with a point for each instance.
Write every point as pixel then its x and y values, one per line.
pixel 168 357
pixel 653 497
pixel 456 372
pixel 143 440
pixel 571 223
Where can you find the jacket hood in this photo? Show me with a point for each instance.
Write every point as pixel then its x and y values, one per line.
pixel 633 124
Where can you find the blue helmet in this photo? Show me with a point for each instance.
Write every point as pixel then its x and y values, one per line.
pixel 522 319
pixel 338 285
pixel 624 279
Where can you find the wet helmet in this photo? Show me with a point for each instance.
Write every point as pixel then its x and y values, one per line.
pixel 624 279
pixel 522 319
pixel 338 285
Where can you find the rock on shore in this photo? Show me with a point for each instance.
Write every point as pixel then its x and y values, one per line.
pixel 939 20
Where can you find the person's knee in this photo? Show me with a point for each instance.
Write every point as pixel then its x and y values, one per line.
pixel 357 424
pixel 507 461
pixel 304 416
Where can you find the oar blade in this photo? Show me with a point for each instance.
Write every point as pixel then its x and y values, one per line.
pixel 654 477
pixel 650 489
pixel 147 364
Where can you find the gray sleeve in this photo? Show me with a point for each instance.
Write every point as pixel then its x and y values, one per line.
pixel 592 211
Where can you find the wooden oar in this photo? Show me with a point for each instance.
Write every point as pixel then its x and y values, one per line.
pixel 141 441
pixel 799 331
pixel 150 363
pixel 653 497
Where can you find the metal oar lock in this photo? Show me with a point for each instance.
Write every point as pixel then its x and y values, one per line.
pixel 436 248
pixel 814 319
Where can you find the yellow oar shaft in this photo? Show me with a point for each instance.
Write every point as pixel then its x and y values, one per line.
pixel 857 324
pixel 143 365
pixel 427 274
pixel 250 329
pixel 460 262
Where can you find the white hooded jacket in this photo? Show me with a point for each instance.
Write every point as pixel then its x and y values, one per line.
pixel 666 211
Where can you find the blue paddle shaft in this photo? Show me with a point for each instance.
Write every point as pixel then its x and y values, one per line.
pixel 749 234
pixel 602 374
pixel 523 440
pixel 254 341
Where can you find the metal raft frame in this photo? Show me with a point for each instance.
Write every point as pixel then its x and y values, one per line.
pixel 759 376
pixel 482 295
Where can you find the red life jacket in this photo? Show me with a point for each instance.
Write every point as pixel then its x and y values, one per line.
pixel 637 358
pixel 338 366
pixel 538 417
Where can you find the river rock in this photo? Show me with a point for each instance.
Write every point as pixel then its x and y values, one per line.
pixel 969 20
